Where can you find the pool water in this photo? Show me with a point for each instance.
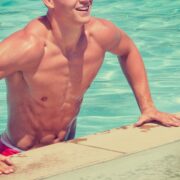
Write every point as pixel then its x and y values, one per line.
pixel 153 25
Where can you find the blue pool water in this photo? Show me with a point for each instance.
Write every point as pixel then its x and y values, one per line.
pixel 155 28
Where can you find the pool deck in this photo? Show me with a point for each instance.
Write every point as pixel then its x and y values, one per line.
pixel 121 153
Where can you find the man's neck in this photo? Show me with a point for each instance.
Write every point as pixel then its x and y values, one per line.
pixel 66 35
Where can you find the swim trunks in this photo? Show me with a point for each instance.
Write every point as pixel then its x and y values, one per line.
pixel 6 148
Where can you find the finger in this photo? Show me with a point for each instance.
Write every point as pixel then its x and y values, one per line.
pixel 142 120
pixel 139 123
pixel 170 122
pixel 175 124
pixel 5 168
pixel 175 121
pixel 176 116
pixel 166 124
pixel 8 161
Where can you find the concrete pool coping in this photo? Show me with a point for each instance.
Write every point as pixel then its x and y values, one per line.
pixel 160 163
pixel 60 160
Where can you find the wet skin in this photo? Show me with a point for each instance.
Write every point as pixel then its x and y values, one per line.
pixel 46 80
pixel 45 97
pixel 49 65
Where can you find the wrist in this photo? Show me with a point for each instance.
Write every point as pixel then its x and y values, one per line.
pixel 148 108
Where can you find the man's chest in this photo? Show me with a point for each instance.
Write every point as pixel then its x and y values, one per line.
pixel 73 73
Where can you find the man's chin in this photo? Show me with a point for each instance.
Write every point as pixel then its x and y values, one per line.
pixel 83 20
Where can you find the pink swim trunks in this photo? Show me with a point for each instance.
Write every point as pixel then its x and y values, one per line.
pixel 6 151
pixel 6 148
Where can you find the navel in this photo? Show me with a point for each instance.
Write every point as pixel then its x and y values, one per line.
pixel 44 98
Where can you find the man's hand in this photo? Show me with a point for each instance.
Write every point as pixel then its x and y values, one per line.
pixel 155 116
pixel 6 166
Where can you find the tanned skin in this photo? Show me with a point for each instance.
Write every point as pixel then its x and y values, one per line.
pixel 50 63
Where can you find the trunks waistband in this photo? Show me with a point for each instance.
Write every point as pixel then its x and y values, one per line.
pixel 5 140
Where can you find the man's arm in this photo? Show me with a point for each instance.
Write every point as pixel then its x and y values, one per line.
pixel 17 52
pixel 133 67
pixel 117 42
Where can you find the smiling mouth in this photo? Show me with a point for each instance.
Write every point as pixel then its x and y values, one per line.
pixel 85 8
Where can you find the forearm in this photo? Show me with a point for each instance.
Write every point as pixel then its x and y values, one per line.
pixel 134 70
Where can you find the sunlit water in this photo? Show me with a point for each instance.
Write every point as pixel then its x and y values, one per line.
pixel 155 28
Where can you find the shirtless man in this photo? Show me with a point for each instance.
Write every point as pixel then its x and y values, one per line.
pixel 49 65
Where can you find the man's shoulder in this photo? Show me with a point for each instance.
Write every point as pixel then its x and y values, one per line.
pixel 37 27
pixel 104 32
pixel 29 46
pixel 26 44
pixel 32 37
pixel 27 38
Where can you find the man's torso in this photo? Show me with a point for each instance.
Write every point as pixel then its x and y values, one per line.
pixel 45 98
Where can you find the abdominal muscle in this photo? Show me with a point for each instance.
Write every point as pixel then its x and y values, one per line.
pixel 31 124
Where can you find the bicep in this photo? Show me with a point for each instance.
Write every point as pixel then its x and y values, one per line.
pixel 8 56
pixel 124 45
